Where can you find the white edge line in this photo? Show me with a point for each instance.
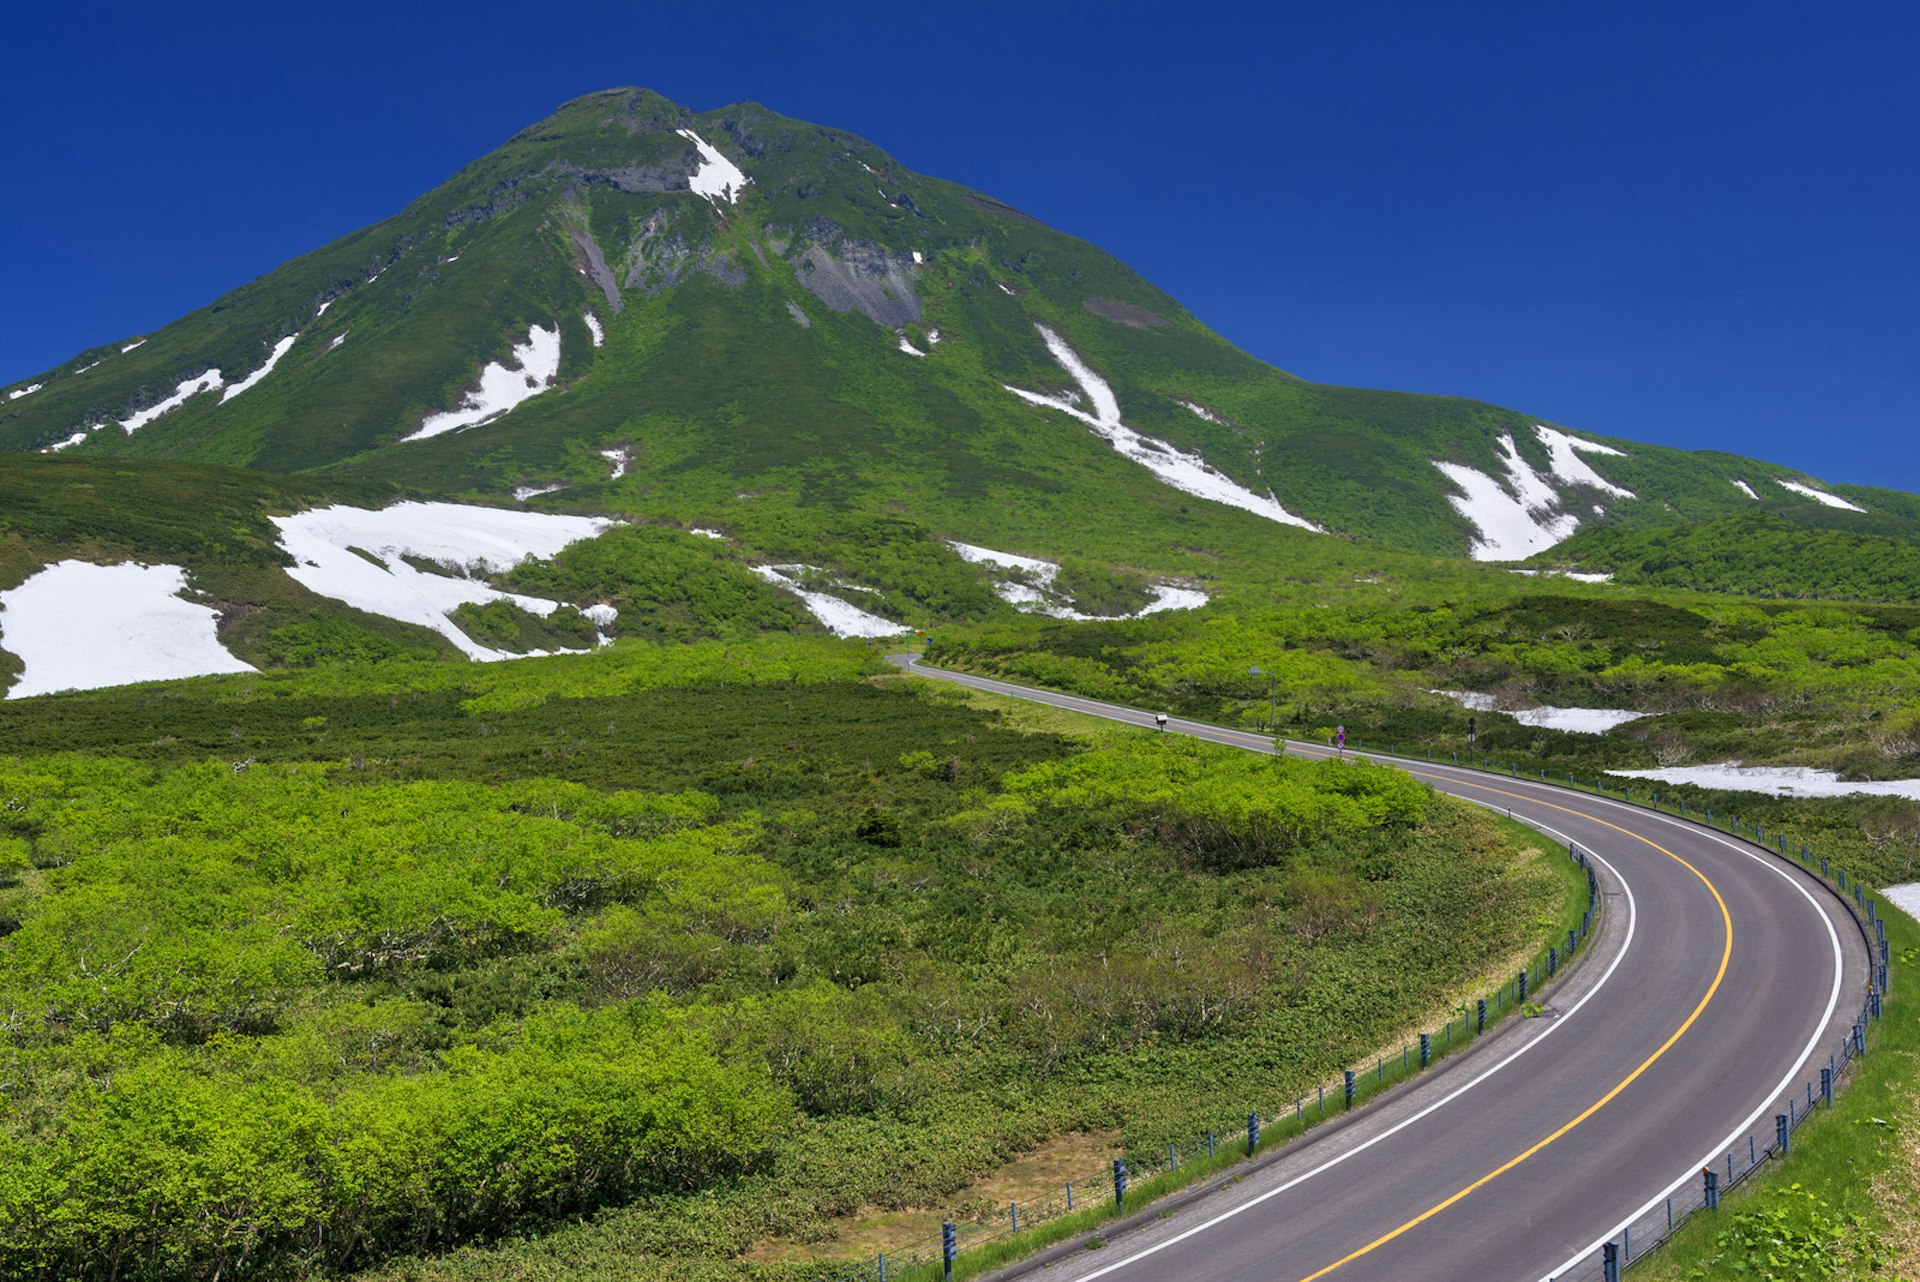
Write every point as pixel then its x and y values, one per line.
pixel 1556 1026
pixel 1833 1001
pixel 1766 861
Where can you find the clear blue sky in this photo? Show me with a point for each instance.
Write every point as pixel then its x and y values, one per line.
pixel 1686 223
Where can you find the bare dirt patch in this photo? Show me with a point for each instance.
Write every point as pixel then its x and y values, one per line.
pixel 1040 1172
pixel 1124 313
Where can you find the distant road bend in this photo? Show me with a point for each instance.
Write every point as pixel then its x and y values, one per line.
pixel 1723 973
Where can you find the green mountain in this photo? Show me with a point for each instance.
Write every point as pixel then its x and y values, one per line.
pixel 738 320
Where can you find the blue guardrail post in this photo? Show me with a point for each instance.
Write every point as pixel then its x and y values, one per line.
pixel 1349 1088
pixel 949 1247
pixel 1710 1188
pixel 1480 1017
pixel 1119 1181
pixel 1610 1262
pixel 1253 1132
pixel 1826 1086
pixel 1521 991
pixel 1782 1133
pixel 1426 1050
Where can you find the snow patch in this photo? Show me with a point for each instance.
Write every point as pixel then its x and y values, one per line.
pixel 718 179
pixel 1035 592
pixel 909 348
pixel 502 389
pixel 593 327
pixel 1747 490
pixel 1188 473
pixel 1003 289
pixel 620 456
pixel 837 616
pixel 80 626
pixel 933 336
pixel 1202 411
pixel 1564 461
pixel 280 349
pixel 525 492
pixel 1818 496
pixel 1572 720
pixel 338 339
pixel 917 259
pixel 70 441
pixel 1776 781
pixel 323 308
pixel 705 533
pixel 28 390
pixel 453 534
pixel 1510 526
pixel 191 387
pixel 1906 898
pixel 130 346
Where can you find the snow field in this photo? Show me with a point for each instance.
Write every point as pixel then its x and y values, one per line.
pixel 1188 473
pixel 593 327
pixel 1507 526
pixel 28 390
pixel 1564 461
pixel 452 534
pixel 1572 720
pixel 909 348
pixel 620 456
pixel 1747 490
pixel 836 616
pixel 718 179
pixel 525 492
pixel 280 349
pixel 1201 411
pixel 501 389
pixel 80 626
pixel 1818 496
pixel 1776 781
pixel 187 389
pixel 130 346
pixel 1039 597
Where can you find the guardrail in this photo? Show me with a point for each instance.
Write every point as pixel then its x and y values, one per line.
pixel 1135 1179
pixel 1770 1141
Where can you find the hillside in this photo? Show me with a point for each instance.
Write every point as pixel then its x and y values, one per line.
pixel 737 320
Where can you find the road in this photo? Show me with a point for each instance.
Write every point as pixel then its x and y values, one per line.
pixel 1723 977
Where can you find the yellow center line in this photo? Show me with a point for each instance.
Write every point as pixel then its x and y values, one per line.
pixel 1726 957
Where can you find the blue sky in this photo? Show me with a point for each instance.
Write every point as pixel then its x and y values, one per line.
pixel 1690 224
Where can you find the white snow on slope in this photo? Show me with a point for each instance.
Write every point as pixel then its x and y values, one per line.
pixel 593 327
pixel 1747 490
pixel 1202 411
pixel 501 389
pixel 1572 720
pixel 1818 496
pixel 525 492
pixel 452 534
pixel 1906 898
pixel 79 626
pixel 338 339
pixel 1036 595
pixel 1188 473
pixel 705 533
pixel 323 308
pixel 280 349
pixel 718 179
pixel 909 348
pixel 206 382
pixel 28 390
pixel 1564 461
pixel 837 616
pixel 1776 781
pixel 69 442
pixel 1509 528
pixel 130 346
pixel 620 456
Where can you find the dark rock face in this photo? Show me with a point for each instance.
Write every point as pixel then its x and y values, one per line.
pixel 1124 313
pixel 596 266
pixel 875 282
pixel 660 259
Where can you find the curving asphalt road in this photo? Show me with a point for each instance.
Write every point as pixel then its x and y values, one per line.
pixel 1720 978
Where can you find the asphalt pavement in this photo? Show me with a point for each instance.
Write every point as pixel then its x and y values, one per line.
pixel 1723 977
